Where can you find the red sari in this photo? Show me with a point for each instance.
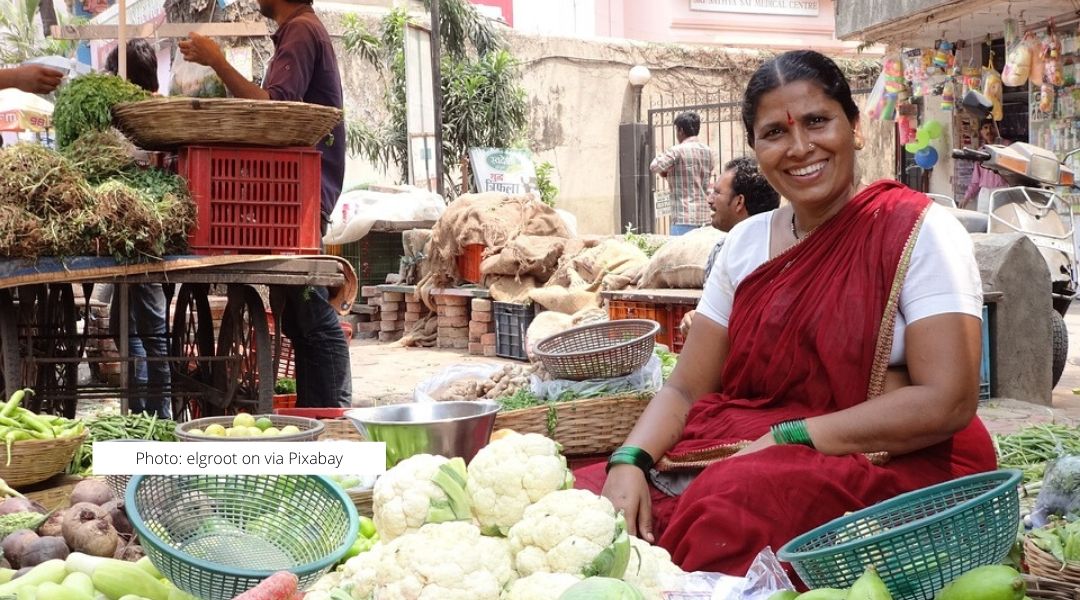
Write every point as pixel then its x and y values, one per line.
pixel 811 333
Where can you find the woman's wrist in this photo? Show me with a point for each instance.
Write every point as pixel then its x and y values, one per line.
pixel 630 455
pixel 792 432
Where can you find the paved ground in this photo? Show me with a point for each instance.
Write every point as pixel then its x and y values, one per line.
pixel 386 374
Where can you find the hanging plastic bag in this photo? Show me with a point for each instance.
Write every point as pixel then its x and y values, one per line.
pixel 1017 69
pixel 195 80
pixel 915 63
pixel 1046 98
pixel 992 89
pixel 1053 67
pixel 948 96
pixel 972 79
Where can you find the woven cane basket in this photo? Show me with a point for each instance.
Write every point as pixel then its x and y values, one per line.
pixel 165 123
pixel 1042 588
pixel 362 500
pixel 1043 564
pixel 599 350
pixel 34 461
pixel 593 426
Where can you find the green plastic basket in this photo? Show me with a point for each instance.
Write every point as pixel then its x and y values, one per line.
pixel 216 536
pixel 918 541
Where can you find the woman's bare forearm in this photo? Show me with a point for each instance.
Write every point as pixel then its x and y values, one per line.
pixel 662 422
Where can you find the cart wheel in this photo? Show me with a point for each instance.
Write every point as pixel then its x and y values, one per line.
pixel 1060 347
pixel 46 328
pixel 246 335
pixel 192 338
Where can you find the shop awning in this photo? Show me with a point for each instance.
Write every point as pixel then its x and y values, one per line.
pixel 918 23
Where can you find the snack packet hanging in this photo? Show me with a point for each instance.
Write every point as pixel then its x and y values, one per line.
pixel 993 89
pixel 948 96
pixel 915 71
pixel 1053 69
pixel 1017 69
pixel 1046 98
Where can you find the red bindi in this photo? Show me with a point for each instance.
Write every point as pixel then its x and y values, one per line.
pixel 790 121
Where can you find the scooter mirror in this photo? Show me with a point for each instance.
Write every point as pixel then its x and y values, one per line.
pixel 977 104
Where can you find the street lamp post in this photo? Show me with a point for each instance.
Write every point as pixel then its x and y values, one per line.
pixel 639 76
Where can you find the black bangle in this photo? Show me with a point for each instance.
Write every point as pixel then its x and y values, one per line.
pixel 630 455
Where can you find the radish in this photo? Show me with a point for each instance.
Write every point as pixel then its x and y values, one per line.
pixel 279 586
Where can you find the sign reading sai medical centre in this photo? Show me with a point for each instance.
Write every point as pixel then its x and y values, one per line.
pixel 799 8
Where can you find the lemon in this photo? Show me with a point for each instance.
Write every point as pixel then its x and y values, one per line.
pixel 271 431
pixel 289 429
pixel 196 431
pixel 235 432
pixel 264 423
pixel 254 431
pixel 243 420
pixel 216 429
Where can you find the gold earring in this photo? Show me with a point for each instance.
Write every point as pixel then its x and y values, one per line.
pixel 860 143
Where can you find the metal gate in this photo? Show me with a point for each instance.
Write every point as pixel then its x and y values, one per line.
pixel 721 129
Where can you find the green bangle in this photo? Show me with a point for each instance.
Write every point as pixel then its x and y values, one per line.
pixel 630 455
pixel 792 432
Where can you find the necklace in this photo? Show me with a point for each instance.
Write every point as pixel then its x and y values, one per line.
pixel 794 231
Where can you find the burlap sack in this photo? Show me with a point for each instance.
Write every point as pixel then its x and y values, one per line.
pixel 680 263
pixel 566 301
pixel 526 255
pixel 545 325
pixel 507 288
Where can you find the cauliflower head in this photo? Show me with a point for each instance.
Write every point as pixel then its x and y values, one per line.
pixel 649 567
pixel 354 580
pixel 511 473
pixel 571 531
pixel 541 586
pixel 444 561
pixel 420 489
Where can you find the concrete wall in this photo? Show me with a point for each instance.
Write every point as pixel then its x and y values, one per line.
pixel 578 94
pixel 854 16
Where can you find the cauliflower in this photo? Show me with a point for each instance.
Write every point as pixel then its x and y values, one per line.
pixel 444 561
pixel 355 580
pixel 571 531
pixel 649 568
pixel 420 489
pixel 511 473
pixel 541 586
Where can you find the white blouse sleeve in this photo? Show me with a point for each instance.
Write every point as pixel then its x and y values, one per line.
pixel 943 276
pixel 719 291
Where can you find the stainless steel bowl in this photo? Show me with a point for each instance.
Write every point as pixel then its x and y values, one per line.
pixel 449 429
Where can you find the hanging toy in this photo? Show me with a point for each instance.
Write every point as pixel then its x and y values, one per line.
pixel 1054 70
pixel 1017 69
pixel 948 96
pixel 905 125
pixel 942 55
pixel 972 79
pixel 993 89
pixel 1046 98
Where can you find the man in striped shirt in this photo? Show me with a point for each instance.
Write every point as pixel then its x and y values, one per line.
pixel 688 167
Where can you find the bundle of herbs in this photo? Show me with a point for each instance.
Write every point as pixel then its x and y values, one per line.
pixel 42 181
pixel 85 104
pixel 100 155
pixel 127 224
pixel 22 233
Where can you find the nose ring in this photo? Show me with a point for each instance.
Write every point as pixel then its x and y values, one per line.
pixel 812 146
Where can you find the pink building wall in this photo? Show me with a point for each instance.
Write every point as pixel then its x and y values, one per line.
pixel 672 21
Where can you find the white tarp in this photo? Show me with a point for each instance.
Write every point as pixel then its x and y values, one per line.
pixel 358 210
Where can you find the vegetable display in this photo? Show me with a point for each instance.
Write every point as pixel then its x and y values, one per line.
pixel 18 424
pixel 85 104
pixel 245 426
pixel 419 490
pixel 1031 448
pixel 105 428
pixel 1060 538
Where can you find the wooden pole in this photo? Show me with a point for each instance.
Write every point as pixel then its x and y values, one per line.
pixel 436 95
pixel 121 39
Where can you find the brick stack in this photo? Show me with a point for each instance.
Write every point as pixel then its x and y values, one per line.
pixel 482 328
pixel 415 310
pixel 368 323
pixel 391 316
pixel 453 315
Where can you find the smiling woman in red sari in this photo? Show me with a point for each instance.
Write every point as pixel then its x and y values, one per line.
pixel 840 347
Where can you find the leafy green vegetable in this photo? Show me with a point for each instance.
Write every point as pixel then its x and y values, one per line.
pixel 85 104
pixel 667 362
pixel 141 426
pixel 285 385
pixel 649 247
pixel 1032 447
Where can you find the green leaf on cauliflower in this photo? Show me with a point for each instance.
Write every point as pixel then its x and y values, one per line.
pixel 420 489
pixel 613 560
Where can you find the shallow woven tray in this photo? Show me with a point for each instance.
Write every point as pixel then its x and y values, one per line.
pixel 341 429
pixel 1043 564
pixel 310 430
pixel 165 123
pixel 593 426
pixel 34 461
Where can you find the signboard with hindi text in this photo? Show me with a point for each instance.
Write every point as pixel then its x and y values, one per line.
pixel 798 8
pixel 510 171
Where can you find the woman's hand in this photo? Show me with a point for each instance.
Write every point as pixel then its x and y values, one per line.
pixel 629 492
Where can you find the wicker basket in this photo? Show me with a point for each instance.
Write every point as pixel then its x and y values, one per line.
pixel 599 350
pixel 310 430
pixel 165 123
pixel 342 429
pixel 34 461
pixel 362 499
pixel 593 426
pixel 1042 588
pixel 1043 564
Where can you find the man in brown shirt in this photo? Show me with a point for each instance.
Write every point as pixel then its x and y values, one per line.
pixel 303 69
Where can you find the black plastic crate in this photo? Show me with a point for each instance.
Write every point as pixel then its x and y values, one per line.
pixel 374 256
pixel 511 323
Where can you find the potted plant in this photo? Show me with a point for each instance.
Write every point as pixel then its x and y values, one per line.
pixel 285 393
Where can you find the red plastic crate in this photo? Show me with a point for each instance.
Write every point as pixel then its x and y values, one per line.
pixel 254 200
pixel 468 263
pixel 678 311
pixel 625 309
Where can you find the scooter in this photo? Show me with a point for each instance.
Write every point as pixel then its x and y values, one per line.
pixel 1032 206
